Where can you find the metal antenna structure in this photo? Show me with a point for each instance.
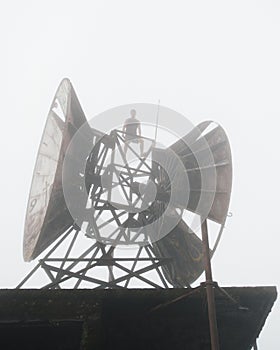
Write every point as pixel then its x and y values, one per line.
pixel 106 221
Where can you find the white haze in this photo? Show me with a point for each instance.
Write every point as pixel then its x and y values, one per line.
pixel 215 60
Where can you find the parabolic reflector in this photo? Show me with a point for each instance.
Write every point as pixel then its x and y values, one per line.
pixel 206 156
pixel 47 216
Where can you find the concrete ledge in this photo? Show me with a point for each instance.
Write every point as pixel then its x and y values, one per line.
pixel 130 318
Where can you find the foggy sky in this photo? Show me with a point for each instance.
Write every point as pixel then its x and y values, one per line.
pixel 215 60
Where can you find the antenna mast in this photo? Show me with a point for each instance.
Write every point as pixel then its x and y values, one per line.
pixel 157 121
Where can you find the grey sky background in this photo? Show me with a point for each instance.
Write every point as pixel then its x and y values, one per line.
pixel 215 60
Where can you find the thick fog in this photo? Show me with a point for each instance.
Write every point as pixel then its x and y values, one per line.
pixel 215 60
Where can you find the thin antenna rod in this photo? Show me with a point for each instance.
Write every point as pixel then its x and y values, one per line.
pixel 157 121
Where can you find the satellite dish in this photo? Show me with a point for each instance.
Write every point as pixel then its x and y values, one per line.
pixel 47 215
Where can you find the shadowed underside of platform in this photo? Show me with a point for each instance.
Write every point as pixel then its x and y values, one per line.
pixel 131 319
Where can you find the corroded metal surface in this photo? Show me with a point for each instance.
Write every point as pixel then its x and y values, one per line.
pixel 185 250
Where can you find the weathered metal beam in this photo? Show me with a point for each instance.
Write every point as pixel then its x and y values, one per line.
pixel 210 289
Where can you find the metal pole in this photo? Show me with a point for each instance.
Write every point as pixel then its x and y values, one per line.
pixel 157 121
pixel 210 290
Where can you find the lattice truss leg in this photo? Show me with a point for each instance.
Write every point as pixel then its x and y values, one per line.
pixel 98 265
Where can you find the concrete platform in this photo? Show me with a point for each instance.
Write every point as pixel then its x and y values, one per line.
pixel 131 318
